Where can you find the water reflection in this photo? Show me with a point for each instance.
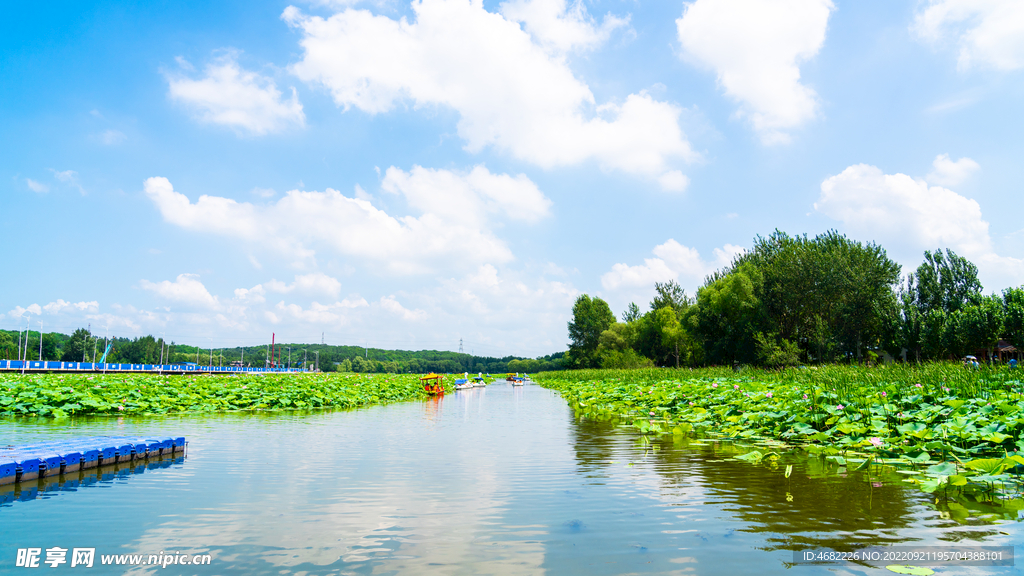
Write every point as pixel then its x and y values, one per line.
pixel 101 476
pixel 819 505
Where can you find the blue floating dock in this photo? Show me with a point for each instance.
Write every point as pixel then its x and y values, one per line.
pixel 46 459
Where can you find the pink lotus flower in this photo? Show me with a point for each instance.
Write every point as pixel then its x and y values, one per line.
pixel 691 403
pixel 883 394
pixel 652 412
pixel 735 386
pixel 876 442
pixel 918 385
pixel 805 396
pixel 769 395
pixel 715 385
pixel 839 407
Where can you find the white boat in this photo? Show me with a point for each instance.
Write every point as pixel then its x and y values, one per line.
pixel 463 384
pixel 479 382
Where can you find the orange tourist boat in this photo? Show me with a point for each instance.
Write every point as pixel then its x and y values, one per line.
pixel 433 383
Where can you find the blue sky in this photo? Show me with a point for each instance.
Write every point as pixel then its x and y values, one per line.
pixel 406 175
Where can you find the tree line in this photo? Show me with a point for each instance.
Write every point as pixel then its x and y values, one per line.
pixel 794 299
pixel 83 346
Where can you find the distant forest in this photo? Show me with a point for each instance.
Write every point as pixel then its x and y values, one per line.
pixel 85 347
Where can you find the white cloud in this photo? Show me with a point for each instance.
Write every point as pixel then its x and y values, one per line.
pixel 510 92
pixel 231 96
pixel 315 313
pixel 18 311
pixel 755 48
pixel 263 192
pixel 468 196
pixel 559 26
pixel 60 305
pixel 302 222
pixel 186 289
pixel 906 216
pixel 989 33
pixel 496 312
pixel 255 295
pixel 112 137
pixel 36 186
pixel 672 261
pixel 508 311
pixel 69 177
pixel 393 306
pixel 673 181
pixel 950 173
pixel 315 283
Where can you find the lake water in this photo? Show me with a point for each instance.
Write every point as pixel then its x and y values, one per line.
pixel 495 480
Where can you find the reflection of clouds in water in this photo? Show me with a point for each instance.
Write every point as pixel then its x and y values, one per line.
pixel 379 486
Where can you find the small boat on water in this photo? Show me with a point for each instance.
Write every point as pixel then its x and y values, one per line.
pixel 518 381
pixel 463 384
pixel 433 384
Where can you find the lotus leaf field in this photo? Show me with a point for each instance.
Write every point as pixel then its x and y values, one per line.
pixel 944 426
pixel 64 395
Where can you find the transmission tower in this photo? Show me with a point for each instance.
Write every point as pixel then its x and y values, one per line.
pixel 460 345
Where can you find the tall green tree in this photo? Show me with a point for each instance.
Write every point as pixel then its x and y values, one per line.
pixel 670 295
pixel 590 317
pixel 984 324
pixel 728 315
pixel 1013 304
pixel 78 348
pixel 826 295
pixel 8 348
pixel 947 282
pixel 631 314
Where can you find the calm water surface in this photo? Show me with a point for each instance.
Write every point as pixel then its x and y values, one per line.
pixel 495 480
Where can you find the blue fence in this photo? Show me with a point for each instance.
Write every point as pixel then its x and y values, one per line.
pixel 53 366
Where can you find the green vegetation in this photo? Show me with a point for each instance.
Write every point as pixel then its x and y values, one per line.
pixel 953 428
pixel 796 300
pixel 82 346
pixel 63 395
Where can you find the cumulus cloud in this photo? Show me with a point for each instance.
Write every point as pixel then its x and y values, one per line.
pixel 468 195
pixel 755 47
pixel 315 283
pixel 302 222
pixel 496 311
pixel 988 33
pixel 393 306
pixel 60 305
pixel 499 304
pixel 560 26
pixel 907 216
pixel 231 96
pixel 18 311
pixel 315 313
pixel 36 186
pixel 186 289
pixel 672 261
pixel 510 92
pixel 950 173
